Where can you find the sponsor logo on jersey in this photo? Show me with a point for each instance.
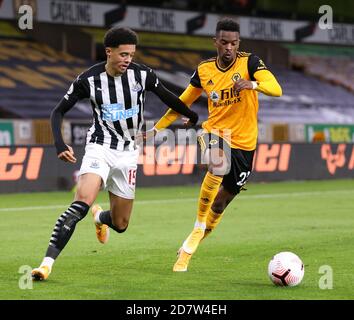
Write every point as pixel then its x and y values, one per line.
pixel 225 98
pixel 214 96
pixel 116 111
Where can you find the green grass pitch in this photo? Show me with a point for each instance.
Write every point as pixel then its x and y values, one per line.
pixel 311 219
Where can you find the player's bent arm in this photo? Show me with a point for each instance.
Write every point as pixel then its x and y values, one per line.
pixel 267 83
pixel 189 95
pixel 56 119
pixel 175 103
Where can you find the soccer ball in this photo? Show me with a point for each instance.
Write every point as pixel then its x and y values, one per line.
pixel 286 269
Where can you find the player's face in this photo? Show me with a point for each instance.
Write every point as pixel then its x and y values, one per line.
pixel 227 43
pixel 118 59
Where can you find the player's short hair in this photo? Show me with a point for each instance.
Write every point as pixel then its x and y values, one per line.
pixel 227 24
pixel 116 36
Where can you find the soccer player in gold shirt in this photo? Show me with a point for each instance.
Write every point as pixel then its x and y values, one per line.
pixel 232 81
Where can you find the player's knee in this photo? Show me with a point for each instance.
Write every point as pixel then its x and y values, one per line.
pixel 219 169
pixel 89 199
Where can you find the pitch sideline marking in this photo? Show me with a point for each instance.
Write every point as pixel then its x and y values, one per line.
pixel 164 201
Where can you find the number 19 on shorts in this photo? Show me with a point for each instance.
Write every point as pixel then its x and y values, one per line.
pixel 132 177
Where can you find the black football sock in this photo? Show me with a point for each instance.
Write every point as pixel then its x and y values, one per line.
pixel 105 218
pixel 65 226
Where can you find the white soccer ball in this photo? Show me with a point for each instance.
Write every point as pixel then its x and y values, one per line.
pixel 286 269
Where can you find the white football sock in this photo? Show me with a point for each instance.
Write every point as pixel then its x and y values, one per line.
pixel 48 262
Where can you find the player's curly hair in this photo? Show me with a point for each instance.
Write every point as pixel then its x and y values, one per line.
pixel 116 36
pixel 227 24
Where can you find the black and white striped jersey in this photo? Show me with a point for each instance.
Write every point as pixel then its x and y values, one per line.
pixel 117 102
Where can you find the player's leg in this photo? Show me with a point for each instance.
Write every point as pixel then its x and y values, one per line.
pixel 93 172
pixel 215 153
pixel 209 188
pixel 118 216
pixel 87 189
pixel 121 187
pixel 208 191
pixel 216 212
pixel 232 184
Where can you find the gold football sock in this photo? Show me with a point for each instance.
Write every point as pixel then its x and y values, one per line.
pixel 208 192
pixel 213 220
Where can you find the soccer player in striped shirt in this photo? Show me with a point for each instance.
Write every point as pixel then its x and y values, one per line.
pixel 116 89
pixel 231 82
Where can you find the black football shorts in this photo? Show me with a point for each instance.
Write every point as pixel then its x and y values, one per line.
pixel 240 161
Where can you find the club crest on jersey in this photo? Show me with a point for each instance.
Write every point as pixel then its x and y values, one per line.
pixel 261 65
pixel 95 164
pixel 137 87
pixel 236 77
pixel 116 111
pixel 214 96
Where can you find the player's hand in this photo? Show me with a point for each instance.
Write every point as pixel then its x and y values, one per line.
pixel 187 123
pixel 242 84
pixel 144 136
pixel 67 155
pixel 192 121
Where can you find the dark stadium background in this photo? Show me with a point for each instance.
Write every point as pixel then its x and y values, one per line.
pixel 314 115
pixel 306 136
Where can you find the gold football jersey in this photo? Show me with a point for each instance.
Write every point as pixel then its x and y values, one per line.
pixel 232 115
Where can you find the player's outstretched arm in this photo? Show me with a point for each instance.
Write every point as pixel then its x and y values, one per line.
pixel 175 103
pixel 267 83
pixel 64 151
pixel 189 95
pixel 76 92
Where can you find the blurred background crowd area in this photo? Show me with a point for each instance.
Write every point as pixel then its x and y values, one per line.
pixel 296 9
pixel 314 67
